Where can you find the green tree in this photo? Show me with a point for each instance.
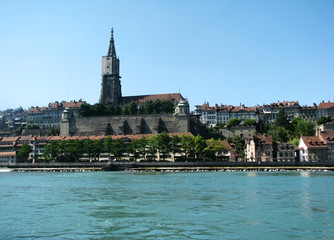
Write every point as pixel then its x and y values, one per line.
pixel 323 120
pixel 233 122
pixel 133 149
pixel 51 151
pixel 302 127
pixel 99 109
pixel 295 142
pixel 213 148
pixel 279 133
pixel 126 110
pixel 163 144
pixel 97 149
pixel 250 122
pixel 33 126
pixel 142 145
pixel 24 152
pixel 175 145
pixel 133 108
pixel 118 148
pixel 282 119
pixel 187 145
pixel 72 149
pixel 152 146
pixel 88 148
pixel 54 131
pixel 239 145
pixel 200 144
pixel 85 110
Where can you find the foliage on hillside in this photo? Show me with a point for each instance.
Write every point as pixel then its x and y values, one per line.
pixel 150 107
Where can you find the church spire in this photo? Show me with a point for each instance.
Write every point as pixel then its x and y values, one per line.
pixel 112 51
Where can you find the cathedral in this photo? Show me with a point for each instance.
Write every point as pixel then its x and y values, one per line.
pixel 111 88
pixel 111 93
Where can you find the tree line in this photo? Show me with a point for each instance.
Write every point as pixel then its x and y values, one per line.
pixel 155 147
pixel 150 107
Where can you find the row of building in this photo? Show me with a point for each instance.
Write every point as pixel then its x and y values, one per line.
pixel 220 114
pixel 258 148
pixel 261 148
pixel 10 146
pixel 43 117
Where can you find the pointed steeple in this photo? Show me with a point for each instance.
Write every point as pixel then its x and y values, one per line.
pixel 112 51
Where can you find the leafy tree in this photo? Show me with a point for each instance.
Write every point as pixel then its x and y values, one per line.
pixel 187 145
pixel 323 120
pixel 163 143
pixel 99 109
pixel 152 146
pixel 249 122
pixel 133 147
pixel 33 126
pixel 302 127
pixel 279 133
pixel 72 149
pixel 295 142
pixel 54 131
pixel 133 108
pixel 24 151
pixel 261 127
pixel 175 145
pixel 213 147
pixel 200 144
pixel 233 122
pixel 118 148
pixel 126 110
pixel 97 148
pixel 239 145
pixel 88 147
pixel 167 106
pixel 85 110
pixel 282 119
pixel 142 144
pixel 51 151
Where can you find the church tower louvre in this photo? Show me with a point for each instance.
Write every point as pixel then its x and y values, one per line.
pixel 111 84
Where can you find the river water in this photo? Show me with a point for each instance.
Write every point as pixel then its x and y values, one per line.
pixel 155 205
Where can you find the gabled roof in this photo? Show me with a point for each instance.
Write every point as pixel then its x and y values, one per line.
pixel 265 139
pixel 226 145
pixel 245 109
pixel 313 142
pixel 327 136
pixel 326 105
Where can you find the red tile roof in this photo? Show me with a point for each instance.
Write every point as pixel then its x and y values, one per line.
pixel 226 145
pixel 327 136
pixel 8 154
pixel 9 139
pixel 314 142
pixel 326 105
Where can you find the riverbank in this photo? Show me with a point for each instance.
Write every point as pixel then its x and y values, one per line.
pixel 168 166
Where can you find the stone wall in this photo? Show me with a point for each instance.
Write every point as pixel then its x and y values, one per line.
pixel 124 125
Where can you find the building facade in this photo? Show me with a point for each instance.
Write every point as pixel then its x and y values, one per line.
pixel 50 116
pixel 312 149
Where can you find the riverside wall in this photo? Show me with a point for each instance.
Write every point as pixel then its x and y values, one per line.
pixel 171 166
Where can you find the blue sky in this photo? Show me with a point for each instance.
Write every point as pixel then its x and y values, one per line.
pixel 215 51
